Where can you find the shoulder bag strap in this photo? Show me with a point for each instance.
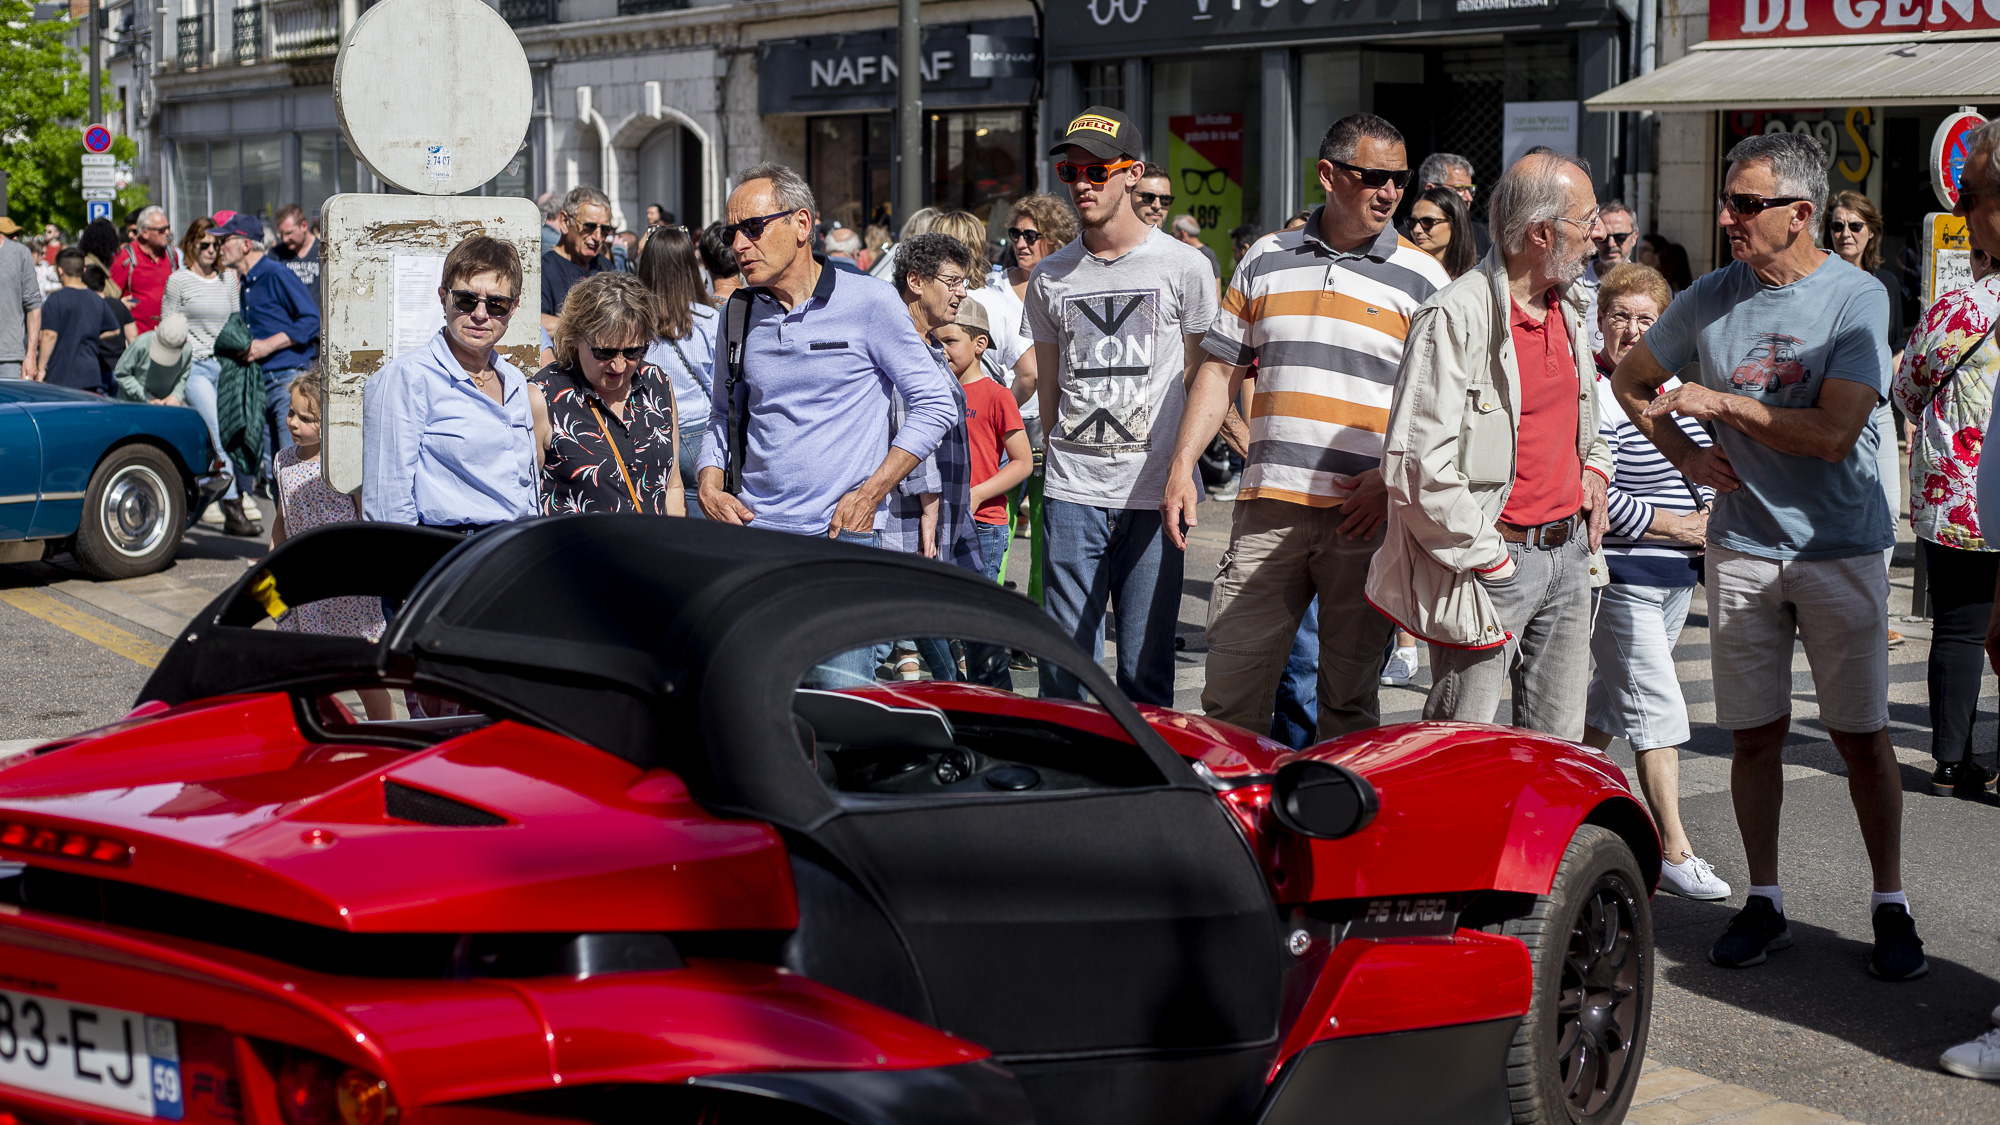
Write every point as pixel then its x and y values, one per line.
pixel 623 474
pixel 736 326
pixel 1938 388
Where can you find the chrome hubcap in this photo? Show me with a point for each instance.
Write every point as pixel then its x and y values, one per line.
pixel 134 514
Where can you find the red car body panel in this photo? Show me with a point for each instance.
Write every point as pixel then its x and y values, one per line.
pixel 438 1041
pixel 230 802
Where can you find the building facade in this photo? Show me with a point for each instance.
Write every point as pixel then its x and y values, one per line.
pixel 1235 95
pixel 654 101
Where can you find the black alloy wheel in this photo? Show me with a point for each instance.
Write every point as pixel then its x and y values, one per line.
pixel 1598 1005
pixel 1575 1058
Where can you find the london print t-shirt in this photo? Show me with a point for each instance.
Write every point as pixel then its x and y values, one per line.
pixel 1118 325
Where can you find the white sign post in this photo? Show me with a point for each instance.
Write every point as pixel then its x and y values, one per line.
pixel 434 97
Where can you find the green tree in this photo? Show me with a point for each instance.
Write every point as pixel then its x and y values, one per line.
pixel 44 95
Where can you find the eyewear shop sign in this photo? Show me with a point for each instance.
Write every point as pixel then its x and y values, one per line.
pixel 988 63
pixel 1081 29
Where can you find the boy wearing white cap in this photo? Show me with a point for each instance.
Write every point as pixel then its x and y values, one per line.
pixel 155 366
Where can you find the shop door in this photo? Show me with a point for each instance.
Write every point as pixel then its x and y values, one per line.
pixel 978 160
pixel 847 162
pixel 659 175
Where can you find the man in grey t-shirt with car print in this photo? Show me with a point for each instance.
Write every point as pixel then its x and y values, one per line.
pixel 1793 362
pixel 1117 318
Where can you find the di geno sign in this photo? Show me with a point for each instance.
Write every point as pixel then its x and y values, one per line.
pixel 1781 19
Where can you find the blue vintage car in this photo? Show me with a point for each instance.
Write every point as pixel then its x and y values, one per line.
pixel 113 483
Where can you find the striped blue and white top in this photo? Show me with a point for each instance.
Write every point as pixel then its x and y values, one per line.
pixel 1644 481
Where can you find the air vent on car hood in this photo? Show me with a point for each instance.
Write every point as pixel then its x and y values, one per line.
pixel 424 807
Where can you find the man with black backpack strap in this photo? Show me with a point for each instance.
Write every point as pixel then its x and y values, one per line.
pixel 798 437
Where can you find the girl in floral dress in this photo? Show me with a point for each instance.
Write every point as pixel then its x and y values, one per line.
pixel 306 501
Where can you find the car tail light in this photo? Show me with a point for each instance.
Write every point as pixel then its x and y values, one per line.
pixel 316 1090
pixel 22 836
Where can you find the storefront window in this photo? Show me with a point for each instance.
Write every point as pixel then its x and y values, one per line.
pixel 318 161
pixel 847 162
pixel 263 176
pixel 1104 84
pixel 977 159
pixel 1205 129
pixel 190 182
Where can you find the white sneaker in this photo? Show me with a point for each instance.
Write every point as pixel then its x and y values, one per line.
pixel 212 515
pixel 1692 879
pixel 1227 490
pixel 1400 669
pixel 251 509
pixel 1977 1059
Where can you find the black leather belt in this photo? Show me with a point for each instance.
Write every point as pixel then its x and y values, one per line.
pixel 1547 536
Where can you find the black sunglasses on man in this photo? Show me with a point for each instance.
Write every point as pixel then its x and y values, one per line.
pixel 1377 177
pixel 753 226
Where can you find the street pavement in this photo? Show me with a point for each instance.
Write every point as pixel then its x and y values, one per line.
pixel 1808 1036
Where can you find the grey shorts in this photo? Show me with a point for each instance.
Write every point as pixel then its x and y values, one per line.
pixel 10 369
pixel 1839 608
pixel 1635 693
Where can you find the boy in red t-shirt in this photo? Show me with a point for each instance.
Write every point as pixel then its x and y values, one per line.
pixel 993 423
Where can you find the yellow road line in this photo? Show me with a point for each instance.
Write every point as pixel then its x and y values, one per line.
pixel 67 617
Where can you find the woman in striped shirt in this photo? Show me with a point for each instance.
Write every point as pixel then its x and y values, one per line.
pixel 1659 524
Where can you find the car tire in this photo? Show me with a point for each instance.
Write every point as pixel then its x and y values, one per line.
pixel 1576 1057
pixel 132 514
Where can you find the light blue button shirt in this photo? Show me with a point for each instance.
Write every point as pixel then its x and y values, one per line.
pixel 690 363
pixel 437 450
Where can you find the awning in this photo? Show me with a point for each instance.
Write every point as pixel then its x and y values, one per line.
pixel 1768 76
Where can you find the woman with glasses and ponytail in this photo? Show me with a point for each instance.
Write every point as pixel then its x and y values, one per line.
pixel 448 429
pixel 609 445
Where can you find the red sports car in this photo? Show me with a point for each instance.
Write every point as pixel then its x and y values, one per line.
pixel 1771 365
pixel 668 840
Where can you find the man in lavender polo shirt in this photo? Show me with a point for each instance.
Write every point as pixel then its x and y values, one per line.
pixel 822 355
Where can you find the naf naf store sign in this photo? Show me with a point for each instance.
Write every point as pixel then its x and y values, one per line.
pixel 991 62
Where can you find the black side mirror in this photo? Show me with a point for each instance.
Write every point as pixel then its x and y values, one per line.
pixel 1322 800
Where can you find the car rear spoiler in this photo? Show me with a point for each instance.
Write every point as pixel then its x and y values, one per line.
pixel 222 652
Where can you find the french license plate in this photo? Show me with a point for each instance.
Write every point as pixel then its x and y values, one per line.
pixel 107 1057
pixel 1431 916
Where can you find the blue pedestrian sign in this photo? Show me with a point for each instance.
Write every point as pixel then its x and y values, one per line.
pixel 98 209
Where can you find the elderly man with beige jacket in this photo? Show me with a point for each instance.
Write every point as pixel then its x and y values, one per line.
pixel 1495 470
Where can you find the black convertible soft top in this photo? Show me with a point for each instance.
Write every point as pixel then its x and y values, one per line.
pixel 601 627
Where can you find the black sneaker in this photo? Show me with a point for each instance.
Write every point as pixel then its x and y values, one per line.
pixel 1753 934
pixel 1899 952
pixel 1961 779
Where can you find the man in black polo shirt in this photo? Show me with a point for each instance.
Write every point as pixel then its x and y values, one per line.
pixel 586 230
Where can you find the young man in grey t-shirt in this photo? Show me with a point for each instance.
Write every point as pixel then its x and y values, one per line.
pixel 1117 317
pixel 1793 362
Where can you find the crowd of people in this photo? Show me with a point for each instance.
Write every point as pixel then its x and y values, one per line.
pixel 1509 449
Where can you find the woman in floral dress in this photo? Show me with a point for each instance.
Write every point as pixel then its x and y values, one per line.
pixel 1944 385
pixel 612 429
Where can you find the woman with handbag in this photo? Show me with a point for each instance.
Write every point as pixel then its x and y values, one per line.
pixel 1659 525
pixel 1944 385
pixel 612 426
pixel 669 264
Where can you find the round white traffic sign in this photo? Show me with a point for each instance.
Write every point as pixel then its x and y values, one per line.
pixel 433 96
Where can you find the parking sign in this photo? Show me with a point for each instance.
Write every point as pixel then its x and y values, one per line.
pixel 98 209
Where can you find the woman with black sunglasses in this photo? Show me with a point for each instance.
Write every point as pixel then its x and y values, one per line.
pixel 448 429
pixel 612 428
pixel 1442 228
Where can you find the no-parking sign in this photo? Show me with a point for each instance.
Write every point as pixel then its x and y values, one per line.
pixel 1949 152
pixel 96 138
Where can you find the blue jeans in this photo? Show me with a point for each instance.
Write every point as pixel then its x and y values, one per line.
pixel 987 664
pixel 202 374
pixel 277 404
pixel 1115 558
pixel 1295 720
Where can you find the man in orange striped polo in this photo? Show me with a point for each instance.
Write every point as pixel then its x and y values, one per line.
pixel 1322 312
